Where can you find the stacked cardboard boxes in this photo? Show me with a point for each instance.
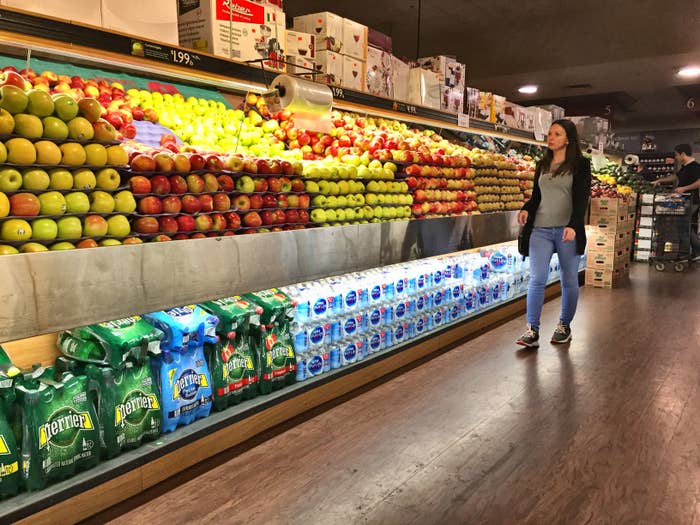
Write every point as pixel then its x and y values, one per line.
pixel 301 53
pixel 452 79
pixel 644 229
pixel 610 240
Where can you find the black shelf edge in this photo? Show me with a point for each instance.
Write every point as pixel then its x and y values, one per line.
pixel 70 33
pixel 26 504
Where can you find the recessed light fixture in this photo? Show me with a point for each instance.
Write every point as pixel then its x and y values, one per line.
pixel 689 72
pixel 528 90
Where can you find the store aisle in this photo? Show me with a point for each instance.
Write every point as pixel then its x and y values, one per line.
pixel 605 431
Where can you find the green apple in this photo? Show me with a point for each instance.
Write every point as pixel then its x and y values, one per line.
pixel 110 242
pixel 20 151
pixel 96 155
pixel 73 154
pixel 10 179
pixel 90 108
pixel 63 245
pixel 79 128
pixel 318 215
pixel 84 179
pixel 117 156
pixel 324 187
pixel 44 229
pixel 363 172
pixel 8 250
pixel 319 201
pixel 351 200
pixel 350 214
pixel 52 203
pixel 406 211
pixel 390 166
pixel 77 202
pixel 107 178
pixel 35 179
pixel 343 172
pixel 70 227
pixel 28 126
pixel 65 107
pixel 32 247
pixel 40 103
pixel 342 201
pixel 124 202
pixel 373 186
pixel 339 215
pixel 13 99
pixel 118 226
pixel 47 153
pixel 55 128
pixel 359 213
pixel 3 153
pixel 387 174
pixel 15 230
pixel 375 164
pixel 367 212
pixel 378 212
pixel 101 202
pixel 4 205
pixel 371 198
pixel 7 122
pixel 330 216
pixel 311 186
pixel 61 179
pixel 245 184
pixel 331 202
pixel 343 187
pixel 352 172
pixel 333 188
pixel 360 199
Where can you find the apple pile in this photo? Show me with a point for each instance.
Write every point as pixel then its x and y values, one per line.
pixel 440 190
pixel 112 102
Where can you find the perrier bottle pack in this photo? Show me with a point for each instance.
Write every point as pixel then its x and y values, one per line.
pixel 233 360
pixel 10 475
pixel 277 364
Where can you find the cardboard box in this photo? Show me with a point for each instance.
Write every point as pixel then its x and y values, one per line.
pixel 325 26
pixel 354 73
pixel 608 206
pixel 379 40
pixel 607 278
pixel 424 88
pixel 301 66
pixel 452 100
pixel 301 45
pixel 556 111
pixel 528 118
pixel 620 223
pixel 250 32
pixel 471 102
pixel 354 39
pixel 452 73
pixel 400 79
pixel 81 11
pixel 499 109
pixel 152 20
pixel 606 240
pixel 543 121
pixel 608 260
pixel 331 65
pixel 379 79
pixel 485 106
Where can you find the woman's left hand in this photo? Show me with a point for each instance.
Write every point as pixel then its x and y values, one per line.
pixel 568 235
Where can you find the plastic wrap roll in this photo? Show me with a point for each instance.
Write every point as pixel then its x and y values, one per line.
pixel 631 160
pixel 309 102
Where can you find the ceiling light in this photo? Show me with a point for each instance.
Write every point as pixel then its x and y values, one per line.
pixel 529 89
pixel 689 72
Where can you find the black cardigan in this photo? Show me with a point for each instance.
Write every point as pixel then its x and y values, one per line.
pixel 580 193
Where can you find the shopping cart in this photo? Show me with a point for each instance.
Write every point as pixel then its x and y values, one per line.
pixel 670 238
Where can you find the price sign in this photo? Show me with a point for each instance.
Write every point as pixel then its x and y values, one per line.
pixel 463 120
pixel 175 56
pixel 338 92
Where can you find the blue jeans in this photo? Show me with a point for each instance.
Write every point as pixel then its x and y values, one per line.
pixel 543 243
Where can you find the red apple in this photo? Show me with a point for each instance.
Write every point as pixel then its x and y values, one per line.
pixel 161 238
pixel 297 185
pixel 279 216
pixel 207 202
pixel 185 223
pixel 263 166
pixel 292 200
pixel 150 205
pixel 168 224
pixel 225 183
pixel 282 201
pixel 222 202
pixel 87 243
pixel 303 216
pixel 160 185
pixel 196 161
pixel 191 204
pixel 172 204
pixel 252 219
pixel 218 222
pixel 242 202
pixel 178 184
pixel 146 225
pixel 213 162
pixel 304 201
pixel 291 216
pixel 250 166
pixel 198 235
pixel 256 202
pixel 260 184
pixel 211 184
pixel 287 167
pixel 286 184
pixel 269 201
pixel 274 184
pixel 267 217
pixel 11 78
pixel 164 162
pixel 233 220
pixel 180 237
pixel 181 163
pixel 143 162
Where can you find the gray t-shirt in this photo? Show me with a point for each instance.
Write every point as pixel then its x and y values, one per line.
pixel 556 204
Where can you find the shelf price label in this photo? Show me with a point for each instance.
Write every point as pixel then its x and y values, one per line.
pixel 463 120
pixel 175 56
pixel 338 92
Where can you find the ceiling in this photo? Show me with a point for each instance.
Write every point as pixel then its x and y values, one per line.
pixel 614 58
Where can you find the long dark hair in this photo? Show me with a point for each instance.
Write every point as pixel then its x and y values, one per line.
pixel 573 149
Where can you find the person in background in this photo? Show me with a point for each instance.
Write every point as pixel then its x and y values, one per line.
pixel 554 220
pixel 688 181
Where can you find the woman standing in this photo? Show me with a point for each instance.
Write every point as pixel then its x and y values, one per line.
pixel 553 221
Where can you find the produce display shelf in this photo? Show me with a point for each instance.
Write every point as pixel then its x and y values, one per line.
pixel 115 480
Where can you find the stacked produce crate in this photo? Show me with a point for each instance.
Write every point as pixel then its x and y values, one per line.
pixel 643 228
pixel 609 240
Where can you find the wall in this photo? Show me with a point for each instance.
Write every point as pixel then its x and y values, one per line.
pixel 665 139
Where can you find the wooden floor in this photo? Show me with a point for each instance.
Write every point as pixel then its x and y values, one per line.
pixel 604 431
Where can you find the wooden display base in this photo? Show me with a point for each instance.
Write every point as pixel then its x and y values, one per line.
pixel 91 497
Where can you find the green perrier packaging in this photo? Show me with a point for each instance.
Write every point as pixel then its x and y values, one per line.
pixel 277 365
pixel 126 401
pixel 233 360
pixel 60 433
pixel 10 476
